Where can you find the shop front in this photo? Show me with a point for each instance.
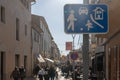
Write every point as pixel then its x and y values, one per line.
pixel 98 63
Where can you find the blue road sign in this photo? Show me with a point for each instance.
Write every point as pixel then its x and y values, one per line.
pixel 79 18
pixel 74 55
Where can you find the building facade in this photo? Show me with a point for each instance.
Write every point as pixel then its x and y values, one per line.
pixel 47 38
pixel 42 41
pixel 15 37
pixel 37 41
pixel 98 56
pixel 112 43
pixel 55 53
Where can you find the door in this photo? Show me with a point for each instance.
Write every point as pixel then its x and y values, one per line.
pixel 2 63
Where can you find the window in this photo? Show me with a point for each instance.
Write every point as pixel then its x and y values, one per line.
pixel 17 58
pixel 2 14
pixel 25 3
pixel 25 30
pixel 35 36
pixel 25 62
pixel 17 29
pixel 22 1
pixel 109 63
pixel 2 64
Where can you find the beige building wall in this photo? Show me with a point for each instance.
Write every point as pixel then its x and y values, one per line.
pixel 113 40
pixel 9 46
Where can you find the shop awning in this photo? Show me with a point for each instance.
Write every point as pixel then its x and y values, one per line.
pixel 49 60
pixel 40 58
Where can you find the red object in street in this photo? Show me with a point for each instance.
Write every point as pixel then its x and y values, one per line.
pixel 68 45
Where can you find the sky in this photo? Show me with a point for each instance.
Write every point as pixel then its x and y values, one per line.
pixel 53 12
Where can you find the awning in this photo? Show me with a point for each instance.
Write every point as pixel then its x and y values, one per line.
pixel 57 61
pixel 99 49
pixel 40 58
pixel 49 60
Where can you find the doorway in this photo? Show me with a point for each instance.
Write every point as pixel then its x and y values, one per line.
pixel 2 65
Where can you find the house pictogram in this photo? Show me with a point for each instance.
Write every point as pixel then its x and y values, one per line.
pixel 98 13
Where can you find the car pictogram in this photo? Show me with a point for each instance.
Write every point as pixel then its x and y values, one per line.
pixel 83 10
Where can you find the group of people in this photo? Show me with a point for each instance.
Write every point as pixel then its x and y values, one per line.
pixel 68 71
pixel 76 71
pixel 18 73
pixel 45 72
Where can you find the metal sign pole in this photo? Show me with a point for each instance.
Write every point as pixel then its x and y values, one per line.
pixel 85 49
pixel 73 36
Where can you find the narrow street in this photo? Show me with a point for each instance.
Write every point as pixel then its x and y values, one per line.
pixel 81 38
pixel 60 77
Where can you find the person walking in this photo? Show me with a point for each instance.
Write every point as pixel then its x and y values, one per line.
pixel 22 72
pixel 15 74
pixel 41 73
pixel 36 70
pixel 46 76
pixel 77 73
pixel 52 72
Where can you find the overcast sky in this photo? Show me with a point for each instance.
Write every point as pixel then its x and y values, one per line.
pixel 52 11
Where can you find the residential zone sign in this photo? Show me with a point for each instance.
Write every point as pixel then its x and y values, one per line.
pixel 79 18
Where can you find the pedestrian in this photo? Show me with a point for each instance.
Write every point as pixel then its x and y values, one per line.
pixel 56 74
pixel 46 76
pixel 15 74
pixel 22 72
pixel 67 71
pixel 36 70
pixel 63 69
pixel 52 72
pixel 77 73
pixel 41 73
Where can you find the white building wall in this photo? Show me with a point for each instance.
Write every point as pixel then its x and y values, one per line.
pixel 35 43
pixel 46 41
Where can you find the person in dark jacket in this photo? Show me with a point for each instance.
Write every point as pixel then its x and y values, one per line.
pixel 36 70
pixel 15 74
pixel 22 72
pixel 52 72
